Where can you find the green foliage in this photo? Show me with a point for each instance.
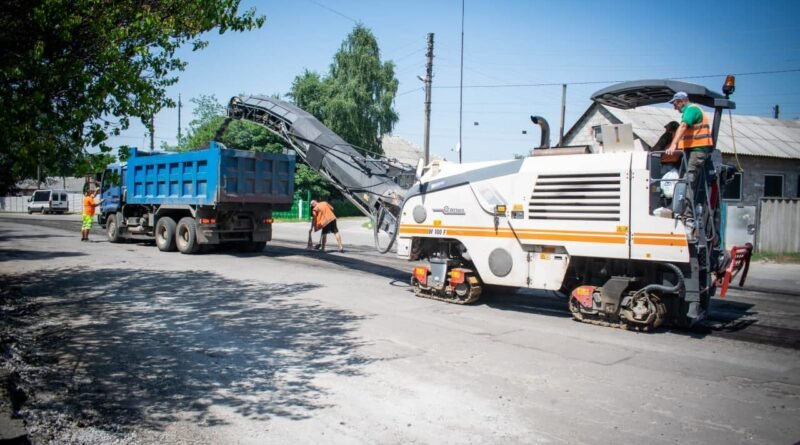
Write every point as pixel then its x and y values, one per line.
pixel 74 72
pixel 209 116
pixel 306 179
pixel 342 207
pixel 90 164
pixel 355 98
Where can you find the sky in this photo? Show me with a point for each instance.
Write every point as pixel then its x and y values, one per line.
pixel 517 55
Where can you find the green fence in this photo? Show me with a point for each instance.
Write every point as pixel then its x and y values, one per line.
pixel 301 209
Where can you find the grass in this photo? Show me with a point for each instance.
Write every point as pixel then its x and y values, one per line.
pixel 789 257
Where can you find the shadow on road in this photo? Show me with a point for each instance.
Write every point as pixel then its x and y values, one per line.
pixel 7 236
pixel 28 255
pixel 352 259
pixel 144 348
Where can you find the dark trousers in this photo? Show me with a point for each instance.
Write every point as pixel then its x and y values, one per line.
pixel 694 164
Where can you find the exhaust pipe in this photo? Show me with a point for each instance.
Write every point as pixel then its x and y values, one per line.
pixel 540 121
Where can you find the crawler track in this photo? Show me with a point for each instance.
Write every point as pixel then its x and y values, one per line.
pixel 472 296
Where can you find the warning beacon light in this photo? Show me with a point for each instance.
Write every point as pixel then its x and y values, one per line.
pixel 730 85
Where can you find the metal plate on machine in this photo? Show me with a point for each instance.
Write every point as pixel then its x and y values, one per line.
pixel 740 225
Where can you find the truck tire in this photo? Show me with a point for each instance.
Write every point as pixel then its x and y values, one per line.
pixel 112 229
pixel 258 246
pixel 186 236
pixel 165 234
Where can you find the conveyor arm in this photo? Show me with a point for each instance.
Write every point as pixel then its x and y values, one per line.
pixel 369 183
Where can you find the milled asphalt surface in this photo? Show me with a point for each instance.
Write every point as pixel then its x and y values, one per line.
pixel 120 343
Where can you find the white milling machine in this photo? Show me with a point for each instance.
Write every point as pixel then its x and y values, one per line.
pixel 582 224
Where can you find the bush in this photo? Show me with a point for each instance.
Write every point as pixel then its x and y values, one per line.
pixel 343 207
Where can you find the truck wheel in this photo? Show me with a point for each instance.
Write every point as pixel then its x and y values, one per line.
pixel 165 234
pixel 186 236
pixel 258 246
pixel 112 229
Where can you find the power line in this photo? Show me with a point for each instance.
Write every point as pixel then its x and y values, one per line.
pixel 593 82
pixel 334 11
pixel 419 50
pixel 409 91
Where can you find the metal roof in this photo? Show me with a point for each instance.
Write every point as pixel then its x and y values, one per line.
pixel 754 135
pixel 401 149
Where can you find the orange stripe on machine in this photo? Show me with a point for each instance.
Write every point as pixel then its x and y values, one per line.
pixel 526 234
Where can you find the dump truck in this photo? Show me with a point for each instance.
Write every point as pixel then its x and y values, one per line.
pixel 186 201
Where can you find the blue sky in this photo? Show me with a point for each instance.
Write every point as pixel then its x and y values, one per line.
pixel 585 44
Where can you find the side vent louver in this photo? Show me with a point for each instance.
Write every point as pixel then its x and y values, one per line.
pixel 583 197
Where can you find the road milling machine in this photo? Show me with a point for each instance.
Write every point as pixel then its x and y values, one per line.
pixel 594 226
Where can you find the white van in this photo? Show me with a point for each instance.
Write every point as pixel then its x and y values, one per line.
pixel 48 201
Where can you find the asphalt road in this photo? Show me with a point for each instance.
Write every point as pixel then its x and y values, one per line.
pixel 120 342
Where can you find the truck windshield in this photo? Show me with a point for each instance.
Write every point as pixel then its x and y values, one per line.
pixel 110 179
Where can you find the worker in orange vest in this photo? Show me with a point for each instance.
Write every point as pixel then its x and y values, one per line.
pixel 323 218
pixel 693 136
pixel 89 205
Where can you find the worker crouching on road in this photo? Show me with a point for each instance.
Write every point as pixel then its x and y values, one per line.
pixel 89 205
pixel 322 217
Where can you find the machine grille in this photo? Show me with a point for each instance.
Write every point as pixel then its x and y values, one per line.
pixel 586 197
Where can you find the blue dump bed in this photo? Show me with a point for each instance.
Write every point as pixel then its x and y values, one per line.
pixel 208 177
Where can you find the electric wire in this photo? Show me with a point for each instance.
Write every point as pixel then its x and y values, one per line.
pixel 597 82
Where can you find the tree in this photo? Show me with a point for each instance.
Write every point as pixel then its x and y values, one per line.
pixel 73 72
pixel 93 163
pixel 355 98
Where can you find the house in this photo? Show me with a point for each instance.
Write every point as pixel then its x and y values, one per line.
pixel 71 185
pixel 395 147
pixel 767 151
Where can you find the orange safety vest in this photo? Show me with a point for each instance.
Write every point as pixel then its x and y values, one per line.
pixel 88 205
pixel 323 215
pixel 697 135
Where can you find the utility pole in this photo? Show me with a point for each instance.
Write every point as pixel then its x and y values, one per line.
pixel 179 118
pixel 152 135
pixel 776 111
pixel 563 111
pixel 461 88
pixel 428 80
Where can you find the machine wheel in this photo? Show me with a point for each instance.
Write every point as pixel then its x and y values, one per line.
pixel 165 234
pixel 645 305
pixel 112 229
pixel 575 308
pixel 186 236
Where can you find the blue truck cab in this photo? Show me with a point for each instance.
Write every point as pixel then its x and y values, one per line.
pixel 192 199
